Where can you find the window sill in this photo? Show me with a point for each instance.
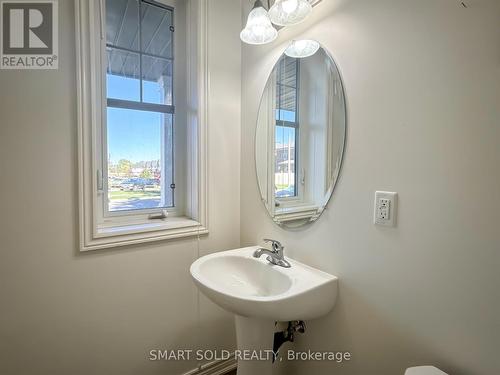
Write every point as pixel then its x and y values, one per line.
pixel 294 213
pixel 113 235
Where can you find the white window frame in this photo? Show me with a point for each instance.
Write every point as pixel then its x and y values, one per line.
pixel 133 229
pixel 112 218
pixel 286 203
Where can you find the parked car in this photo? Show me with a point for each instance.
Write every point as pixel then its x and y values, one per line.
pixel 134 184
pixel 152 182
pixel 288 192
pixel 115 183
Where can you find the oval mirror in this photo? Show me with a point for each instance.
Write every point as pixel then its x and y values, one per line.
pixel 300 136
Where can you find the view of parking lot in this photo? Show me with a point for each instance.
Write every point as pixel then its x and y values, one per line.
pixel 133 186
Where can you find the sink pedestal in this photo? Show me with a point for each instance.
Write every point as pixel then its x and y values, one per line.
pixel 254 337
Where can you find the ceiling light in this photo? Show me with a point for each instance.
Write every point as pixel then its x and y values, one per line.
pixel 289 12
pixel 258 29
pixel 302 48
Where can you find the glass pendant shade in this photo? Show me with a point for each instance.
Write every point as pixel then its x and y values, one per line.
pixel 289 12
pixel 302 48
pixel 259 29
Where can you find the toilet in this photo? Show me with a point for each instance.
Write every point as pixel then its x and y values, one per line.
pixel 424 370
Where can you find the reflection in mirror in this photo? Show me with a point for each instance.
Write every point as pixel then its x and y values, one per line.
pixel 300 137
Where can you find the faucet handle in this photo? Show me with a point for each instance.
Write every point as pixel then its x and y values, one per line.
pixel 276 245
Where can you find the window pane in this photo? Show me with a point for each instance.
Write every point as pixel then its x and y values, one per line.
pixel 286 127
pixel 156 30
pixel 139 159
pixel 130 64
pixel 122 23
pixel 287 89
pixel 287 103
pixel 284 172
pixel 287 71
pixel 157 80
pixel 123 75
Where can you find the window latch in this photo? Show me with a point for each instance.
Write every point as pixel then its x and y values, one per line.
pixel 161 216
pixel 100 182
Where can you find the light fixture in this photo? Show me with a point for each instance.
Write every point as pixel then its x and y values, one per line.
pixel 302 48
pixel 289 12
pixel 259 29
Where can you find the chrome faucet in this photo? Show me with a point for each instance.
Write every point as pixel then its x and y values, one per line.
pixel 274 256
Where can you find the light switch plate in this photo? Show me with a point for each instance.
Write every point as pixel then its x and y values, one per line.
pixel 385 208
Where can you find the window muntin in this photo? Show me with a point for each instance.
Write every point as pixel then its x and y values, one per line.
pixel 140 114
pixel 287 128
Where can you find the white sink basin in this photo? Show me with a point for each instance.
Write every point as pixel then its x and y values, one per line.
pixel 259 294
pixel 252 287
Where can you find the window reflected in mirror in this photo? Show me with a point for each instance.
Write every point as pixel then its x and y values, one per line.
pixel 287 127
pixel 300 137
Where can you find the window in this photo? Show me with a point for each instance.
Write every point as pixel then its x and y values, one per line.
pixel 140 112
pixel 142 153
pixel 287 127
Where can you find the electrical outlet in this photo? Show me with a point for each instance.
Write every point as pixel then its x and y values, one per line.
pixel 385 208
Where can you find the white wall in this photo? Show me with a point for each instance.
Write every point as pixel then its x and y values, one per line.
pixel 64 312
pixel 422 78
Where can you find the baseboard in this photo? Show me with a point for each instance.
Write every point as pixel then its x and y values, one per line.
pixel 215 367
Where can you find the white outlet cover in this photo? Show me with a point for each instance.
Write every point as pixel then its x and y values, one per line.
pixel 387 219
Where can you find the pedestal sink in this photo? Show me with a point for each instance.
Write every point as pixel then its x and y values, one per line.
pixel 259 294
